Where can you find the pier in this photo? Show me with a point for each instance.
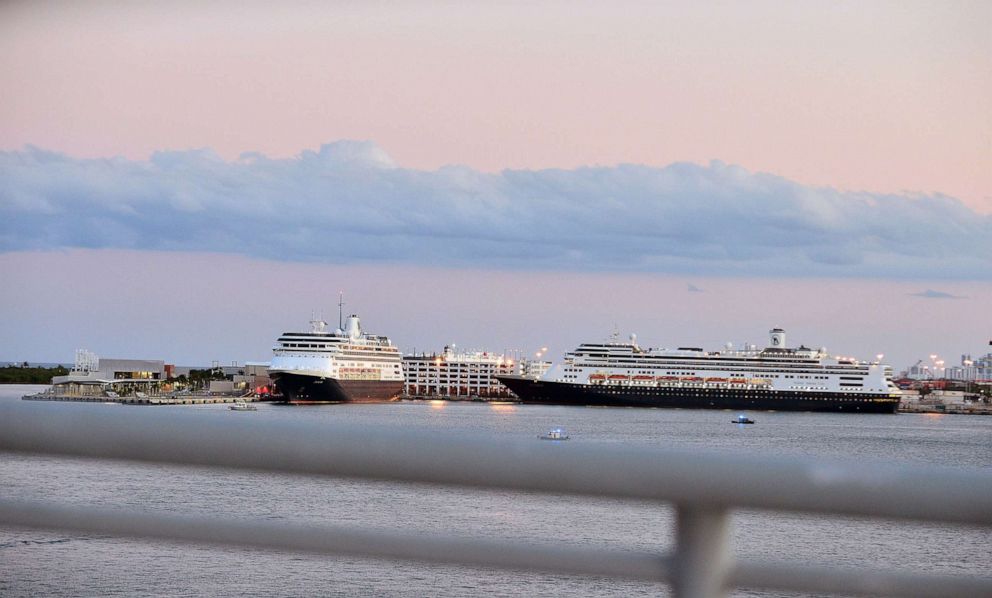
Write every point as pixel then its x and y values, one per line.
pixel 146 399
pixel 951 409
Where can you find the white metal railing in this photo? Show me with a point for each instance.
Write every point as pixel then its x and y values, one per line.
pixel 704 488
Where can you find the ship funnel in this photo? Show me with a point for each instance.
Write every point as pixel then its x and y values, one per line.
pixel 352 327
pixel 777 338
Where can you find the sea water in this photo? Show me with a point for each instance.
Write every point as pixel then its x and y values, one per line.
pixel 45 563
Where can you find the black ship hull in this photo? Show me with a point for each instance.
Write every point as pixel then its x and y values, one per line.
pixel 297 388
pixel 534 391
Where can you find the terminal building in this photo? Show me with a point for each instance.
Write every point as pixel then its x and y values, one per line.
pixel 451 374
pixel 92 376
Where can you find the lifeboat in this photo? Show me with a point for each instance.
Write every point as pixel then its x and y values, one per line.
pixel 644 378
pixel 668 378
pixel 716 380
pixel 738 381
pixel 597 376
pixel 691 379
pixel 618 378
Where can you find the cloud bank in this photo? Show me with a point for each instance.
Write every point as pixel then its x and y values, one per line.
pixel 350 203
pixel 932 294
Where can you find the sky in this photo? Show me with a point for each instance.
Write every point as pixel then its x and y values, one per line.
pixel 184 182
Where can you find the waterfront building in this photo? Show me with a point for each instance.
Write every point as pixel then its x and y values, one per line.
pixel 464 374
pixel 256 377
pixel 534 368
pixel 94 376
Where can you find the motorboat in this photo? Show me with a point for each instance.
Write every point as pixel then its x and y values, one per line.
pixel 242 406
pixel 742 419
pixel 555 434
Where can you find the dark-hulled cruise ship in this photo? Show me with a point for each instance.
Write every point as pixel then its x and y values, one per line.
pixel 774 378
pixel 344 366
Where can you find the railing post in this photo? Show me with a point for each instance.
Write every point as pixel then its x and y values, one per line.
pixel 702 559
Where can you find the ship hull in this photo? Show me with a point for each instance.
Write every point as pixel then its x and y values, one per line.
pixel 298 388
pixel 534 391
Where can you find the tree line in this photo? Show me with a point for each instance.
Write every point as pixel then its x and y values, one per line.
pixel 26 374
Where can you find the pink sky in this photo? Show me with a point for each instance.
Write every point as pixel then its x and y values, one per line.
pixel 885 97
pixel 880 96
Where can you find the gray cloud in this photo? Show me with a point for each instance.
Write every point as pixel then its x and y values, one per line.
pixel 349 203
pixel 694 289
pixel 932 294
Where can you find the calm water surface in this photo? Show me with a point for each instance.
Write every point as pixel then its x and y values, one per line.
pixel 36 563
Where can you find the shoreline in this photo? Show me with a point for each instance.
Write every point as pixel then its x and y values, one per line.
pixel 203 399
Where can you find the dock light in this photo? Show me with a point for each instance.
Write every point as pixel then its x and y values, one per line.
pixel 880 356
pixel 544 349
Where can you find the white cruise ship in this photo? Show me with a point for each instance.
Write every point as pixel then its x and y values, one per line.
pixel 774 378
pixel 342 366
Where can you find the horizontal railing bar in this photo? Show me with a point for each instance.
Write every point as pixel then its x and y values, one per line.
pixel 556 559
pixel 857 582
pixel 340 541
pixel 700 479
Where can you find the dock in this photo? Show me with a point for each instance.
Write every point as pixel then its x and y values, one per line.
pixel 951 409
pixel 146 399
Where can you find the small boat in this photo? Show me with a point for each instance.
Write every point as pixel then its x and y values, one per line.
pixel 742 419
pixel 242 406
pixel 556 434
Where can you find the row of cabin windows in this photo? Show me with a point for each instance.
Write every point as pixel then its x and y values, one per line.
pixel 716 367
pixel 739 375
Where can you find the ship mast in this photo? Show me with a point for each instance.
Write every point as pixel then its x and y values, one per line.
pixel 340 310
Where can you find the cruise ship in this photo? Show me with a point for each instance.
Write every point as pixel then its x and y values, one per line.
pixel 343 366
pixel 774 378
